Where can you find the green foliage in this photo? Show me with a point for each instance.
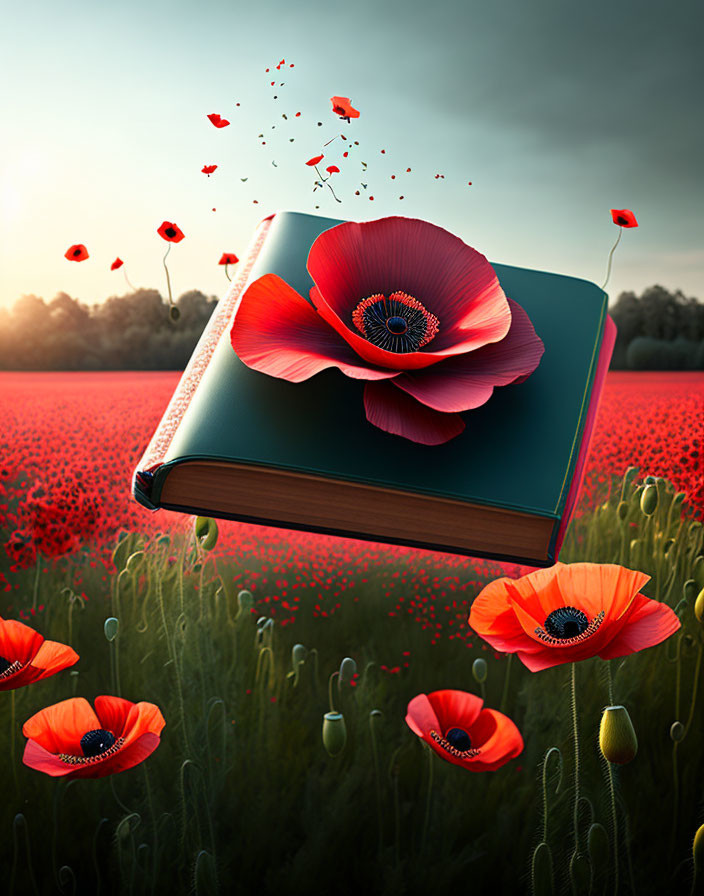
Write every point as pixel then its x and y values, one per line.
pixel 241 795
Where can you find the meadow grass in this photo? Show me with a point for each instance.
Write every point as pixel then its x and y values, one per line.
pixel 241 795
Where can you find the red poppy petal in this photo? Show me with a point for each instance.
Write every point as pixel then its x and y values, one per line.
pixel 43 760
pixel 52 657
pixel 624 217
pixel 396 412
pixel 649 622
pixel 18 642
pixel 143 718
pixel 116 264
pixel 467 381
pixel 352 261
pixel 455 709
pixel 279 333
pixel 421 717
pixel 503 743
pixel 314 161
pixel 113 713
pixel 130 755
pixel 59 728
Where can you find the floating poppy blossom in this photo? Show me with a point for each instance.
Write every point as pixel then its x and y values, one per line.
pixel 26 656
pixel 77 252
pixel 314 161
pixel 208 169
pixel 342 106
pixel 332 169
pixel 431 341
pixel 170 232
pixel 624 217
pixel 571 612
pixel 116 264
pixel 70 739
pixel 216 120
pixel 460 730
pixel 228 258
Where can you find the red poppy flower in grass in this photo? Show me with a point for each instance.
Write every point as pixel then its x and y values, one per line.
pixel 342 106
pixel 571 612
pixel 77 252
pixel 228 258
pixel 457 727
pixel 624 217
pixel 116 264
pixel 170 232
pixel 25 655
pixel 400 303
pixel 70 739
pixel 216 120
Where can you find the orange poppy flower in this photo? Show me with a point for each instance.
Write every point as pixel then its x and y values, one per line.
pixel 170 232
pixel 459 730
pixel 571 612
pixel 624 217
pixel 25 655
pixel 342 106
pixel 77 252
pixel 71 740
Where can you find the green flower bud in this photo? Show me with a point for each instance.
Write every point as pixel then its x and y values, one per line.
pixel 699 607
pixel 111 627
pixel 698 848
pixel 541 871
pixel 617 737
pixel 689 591
pixel 206 531
pixel 668 544
pixel 348 668
pixel 650 480
pixel 698 570
pixel 622 510
pixel 677 731
pixel 298 655
pixel 164 541
pixel 174 313
pixel 480 669
pixel 649 500
pixel 679 498
pixel 598 845
pixel 334 733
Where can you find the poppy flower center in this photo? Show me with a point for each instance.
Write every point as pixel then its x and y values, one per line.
pixel 459 739
pixel 4 664
pixel 170 232
pixel 95 742
pixel 399 323
pixel 566 623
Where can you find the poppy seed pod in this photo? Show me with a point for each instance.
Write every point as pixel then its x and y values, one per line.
pixel 649 500
pixel 622 510
pixel 334 733
pixel 617 737
pixel 699 607
pixel 111 628
pixel 245 601
pixel 480 670
pixel 174 313
pixel 677 732
pixel 689 591
pixel 298 655
pixel 206 531
pixel 348 668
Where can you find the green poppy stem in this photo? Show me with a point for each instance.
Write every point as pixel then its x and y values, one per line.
pixel 428 802
pixel 168 279
pixel 575 734
pixel 507 676
pixel 227 275
pixel 611 255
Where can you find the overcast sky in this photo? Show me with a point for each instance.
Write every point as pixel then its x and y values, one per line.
pixel 555 111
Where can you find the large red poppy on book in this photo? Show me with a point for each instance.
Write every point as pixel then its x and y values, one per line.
pixel 403 304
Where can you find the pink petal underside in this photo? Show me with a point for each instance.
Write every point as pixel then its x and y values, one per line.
pixel 277 332
pixel 649 622
pixel 397 413
pixel 420 716
pixel 454 282
pixel 467 381
pixel 36 757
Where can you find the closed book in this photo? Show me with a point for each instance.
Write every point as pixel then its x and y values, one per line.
pixel 238 444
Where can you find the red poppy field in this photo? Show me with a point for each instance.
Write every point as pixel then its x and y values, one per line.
pixel 332 711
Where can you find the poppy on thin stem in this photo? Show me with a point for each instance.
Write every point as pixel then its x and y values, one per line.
pixel 624 217
pixel 342 106
pixel 77 252
pixel 227 259
pixel 118 263
pixel 208 169
pixel 172 233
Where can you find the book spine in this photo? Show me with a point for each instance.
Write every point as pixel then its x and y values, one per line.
pixel 219 322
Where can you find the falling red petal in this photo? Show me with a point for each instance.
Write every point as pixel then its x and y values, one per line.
pixel 314 160
pixel 116 264
pixel 216 120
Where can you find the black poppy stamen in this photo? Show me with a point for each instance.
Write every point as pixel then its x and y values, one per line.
pixel 8 668
pixel 456 742
pixel 397 324
pixel 170 232
pixel 96 742
pixel 99 735
pixel 567 626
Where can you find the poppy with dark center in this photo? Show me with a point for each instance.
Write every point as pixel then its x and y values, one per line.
pixel 170 232
pixel 571 612
pixel 77 252
pixel 624 217
pixel 70 739
pixel 228 258
pixel 406 306
pixel 116 264
pixel 342 106
pixel 216 120
pixel 314 161
pixel 26 656
pixel 460 730
pixel 208 169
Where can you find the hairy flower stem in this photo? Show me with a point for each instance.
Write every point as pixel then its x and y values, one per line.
pixel 377 777
pixel 546 760
pixel 612 785
pixel 35 590
pixel 13 740
pixel 575 734
pixel 330 681
pixel 507 676
pixel 168 279
pixel 428 802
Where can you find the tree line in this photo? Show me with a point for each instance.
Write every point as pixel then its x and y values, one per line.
pixel 658 330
